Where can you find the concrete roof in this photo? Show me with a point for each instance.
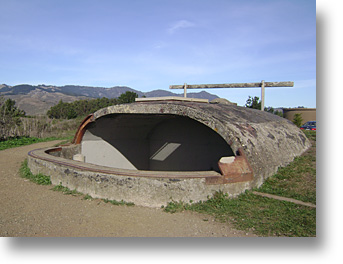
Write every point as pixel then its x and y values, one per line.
pixel 268 141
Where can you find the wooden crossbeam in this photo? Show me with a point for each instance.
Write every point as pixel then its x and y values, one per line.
pixel 233 85
pixel 261 84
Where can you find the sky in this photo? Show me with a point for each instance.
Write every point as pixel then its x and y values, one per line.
pixel 149 45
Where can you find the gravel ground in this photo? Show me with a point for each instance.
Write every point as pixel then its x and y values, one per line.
pixel 31 210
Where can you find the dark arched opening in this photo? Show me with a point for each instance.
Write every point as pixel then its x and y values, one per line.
pixel 153 142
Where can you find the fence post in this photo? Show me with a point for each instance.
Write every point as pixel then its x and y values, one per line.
pixel 185 90
pixel 262 95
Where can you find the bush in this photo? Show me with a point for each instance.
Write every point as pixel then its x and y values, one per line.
pixel 297 120
pixel 126 98
pixel 25 172
pixel 10 121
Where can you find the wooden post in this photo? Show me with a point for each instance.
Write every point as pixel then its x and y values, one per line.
pixel 185 90
pixel 262 95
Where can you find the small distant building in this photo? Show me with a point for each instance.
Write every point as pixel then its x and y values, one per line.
pixel 307 114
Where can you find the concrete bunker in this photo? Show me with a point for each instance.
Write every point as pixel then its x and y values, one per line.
pixel 152 151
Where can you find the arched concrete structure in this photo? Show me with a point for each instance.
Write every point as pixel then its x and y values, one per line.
pixel 267 140
pixel 152 151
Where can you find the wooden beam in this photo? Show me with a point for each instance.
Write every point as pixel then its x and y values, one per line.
pixel 233 85
pixel 262 95
pixel 185 90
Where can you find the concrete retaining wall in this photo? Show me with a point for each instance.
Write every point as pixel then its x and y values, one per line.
pixel 152 189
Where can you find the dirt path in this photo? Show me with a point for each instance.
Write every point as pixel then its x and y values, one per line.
pixel 29 210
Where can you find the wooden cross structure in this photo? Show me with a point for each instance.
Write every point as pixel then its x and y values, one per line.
pixel 261 84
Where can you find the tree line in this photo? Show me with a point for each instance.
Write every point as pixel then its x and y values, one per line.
pixel 85 107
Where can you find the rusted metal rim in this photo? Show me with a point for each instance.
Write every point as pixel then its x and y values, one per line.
pixel 82 129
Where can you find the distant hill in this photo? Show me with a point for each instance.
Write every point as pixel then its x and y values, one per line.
pixel 37 99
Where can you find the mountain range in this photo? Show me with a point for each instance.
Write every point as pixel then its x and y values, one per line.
pixel 37 99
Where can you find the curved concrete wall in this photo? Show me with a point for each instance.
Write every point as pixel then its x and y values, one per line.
pixel 145 188
pixel 307 114
pixel 267 140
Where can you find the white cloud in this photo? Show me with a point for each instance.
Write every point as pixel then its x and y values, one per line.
pixel 180 25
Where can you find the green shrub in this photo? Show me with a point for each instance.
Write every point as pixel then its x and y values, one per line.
pixel 297 120
pixel 66 190
pixel 39 178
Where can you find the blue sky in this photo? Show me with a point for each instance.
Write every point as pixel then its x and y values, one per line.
pixel 150 44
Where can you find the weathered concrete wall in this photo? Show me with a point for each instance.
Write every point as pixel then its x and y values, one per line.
pixel 268 141
pixel 98 151
pixel 154 190
pixel 67 152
